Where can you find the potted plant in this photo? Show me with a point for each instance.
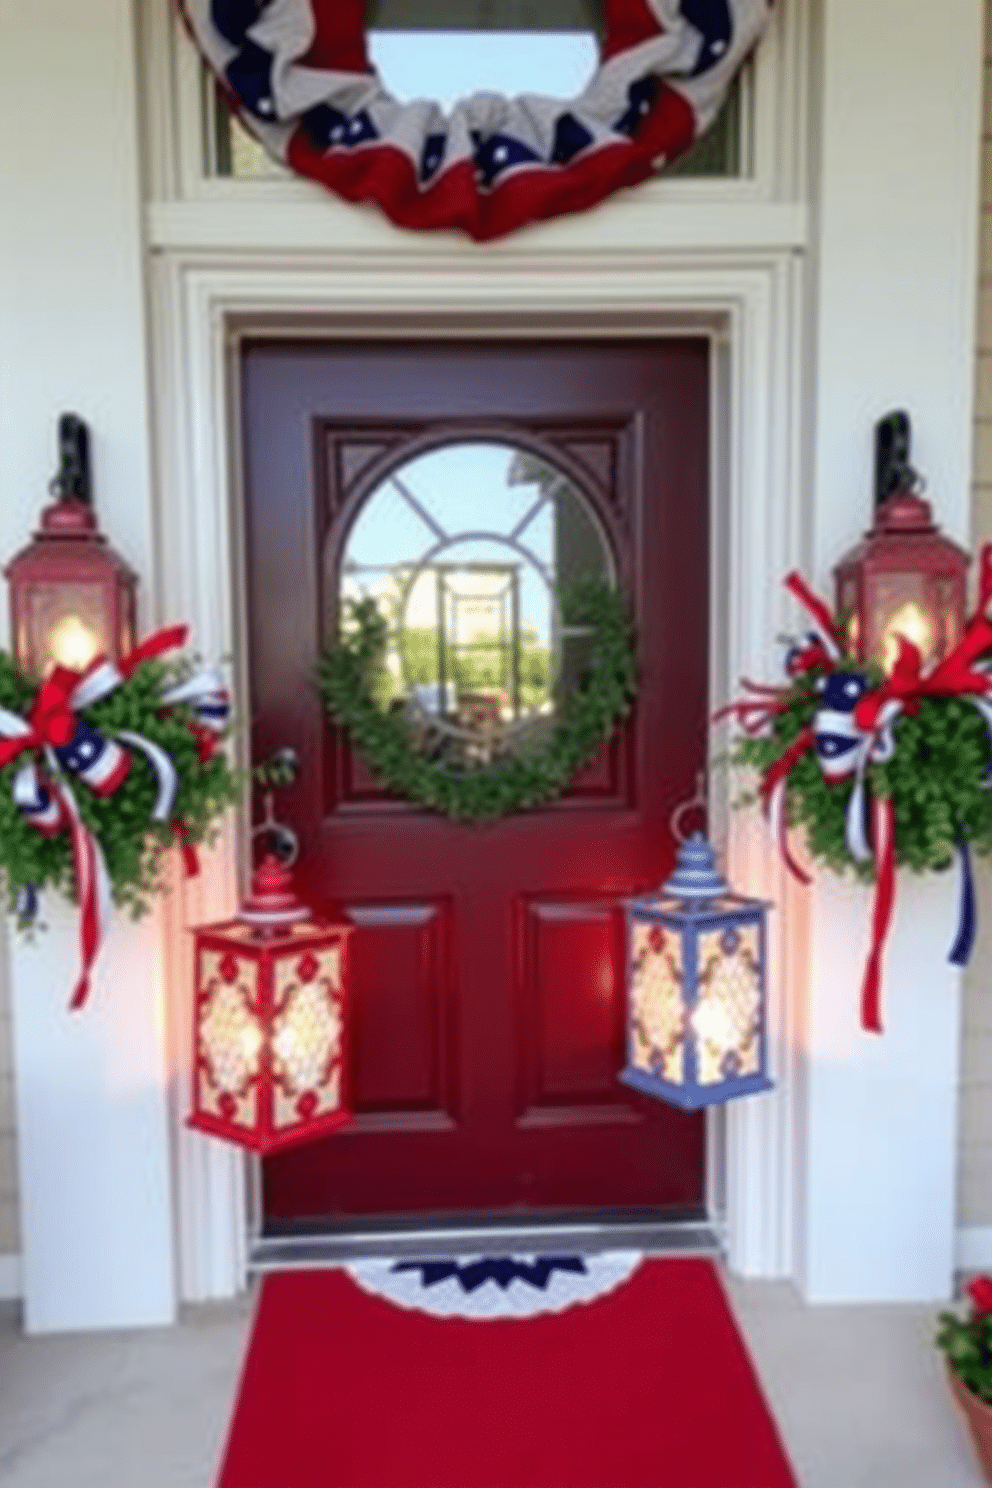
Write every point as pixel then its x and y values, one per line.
pixel 967 1342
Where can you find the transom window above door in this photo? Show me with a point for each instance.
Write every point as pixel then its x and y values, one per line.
pixel 448 49
pixel 467 551
pixel 486 15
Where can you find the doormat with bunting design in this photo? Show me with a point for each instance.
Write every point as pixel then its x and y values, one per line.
pixel 600 1371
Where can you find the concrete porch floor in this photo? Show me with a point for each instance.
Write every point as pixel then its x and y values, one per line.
pixel 857 1391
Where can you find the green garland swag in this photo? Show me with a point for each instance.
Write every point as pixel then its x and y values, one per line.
pixel 133 844
pixel 936 779
pixel 347 680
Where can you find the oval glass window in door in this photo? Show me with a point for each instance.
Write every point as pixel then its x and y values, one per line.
pixel 467 551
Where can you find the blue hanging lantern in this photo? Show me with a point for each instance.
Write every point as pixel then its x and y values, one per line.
pixel 696 1031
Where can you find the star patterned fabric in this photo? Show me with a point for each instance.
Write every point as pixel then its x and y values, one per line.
pixel 492 1287
pixel 298 74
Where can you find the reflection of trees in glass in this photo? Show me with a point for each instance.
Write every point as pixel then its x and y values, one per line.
pixel 473 649
pixel 480 665
pixel 419 654
pixel 535 671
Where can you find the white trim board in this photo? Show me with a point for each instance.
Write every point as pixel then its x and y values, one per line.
pixel 752 312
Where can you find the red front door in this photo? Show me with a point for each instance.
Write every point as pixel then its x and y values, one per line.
pixel 488 961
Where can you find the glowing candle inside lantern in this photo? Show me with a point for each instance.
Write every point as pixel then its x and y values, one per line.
pixel 285 1043
pixel 713 1023
pixel 912 622
pixel 72 643
pixel 251 1040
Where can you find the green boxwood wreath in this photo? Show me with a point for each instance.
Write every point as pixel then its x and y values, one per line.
pixel 133 844
pixel 347 676
pixel 937 779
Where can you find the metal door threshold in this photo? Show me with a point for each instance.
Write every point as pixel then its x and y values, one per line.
pixel 307 1251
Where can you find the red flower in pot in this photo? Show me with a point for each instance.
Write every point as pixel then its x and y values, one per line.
pixel 967 1342
pixel 980 1292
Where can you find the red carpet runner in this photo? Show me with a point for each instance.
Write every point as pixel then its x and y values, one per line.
pixel 647 1386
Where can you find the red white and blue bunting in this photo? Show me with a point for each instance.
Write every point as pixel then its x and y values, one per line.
pixel 299 76
pixel 494 1288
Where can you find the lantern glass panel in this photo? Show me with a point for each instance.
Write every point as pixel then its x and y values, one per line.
pixel 231 1035
pixel 657 1007
pixel 307 1035
pixel 847 605
pixel 127 624
pixel 727 1017
pixel 899 607
pixel 947 593
pixel 65 625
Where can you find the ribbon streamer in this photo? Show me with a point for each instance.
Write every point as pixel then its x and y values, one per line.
pixel 884 820
pixel 964 941
pixel 39 804
pixel 165 771
pixel 830 636
pixel 92 886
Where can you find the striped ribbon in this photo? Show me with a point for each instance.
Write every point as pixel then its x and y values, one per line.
pixel 857 730
pixel 61 743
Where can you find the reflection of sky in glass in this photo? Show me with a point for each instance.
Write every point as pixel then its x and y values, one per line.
pixel 462 488
pixel 449 65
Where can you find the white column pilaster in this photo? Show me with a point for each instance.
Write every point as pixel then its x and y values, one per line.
pixel 91 1088
pixel 895 280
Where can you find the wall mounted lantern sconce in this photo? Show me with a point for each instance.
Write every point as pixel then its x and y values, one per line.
pixel 72 598
pixel 904 578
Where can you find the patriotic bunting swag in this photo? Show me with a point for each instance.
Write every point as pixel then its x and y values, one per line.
pixel 100 772
pixel 880 769
pixel 298 74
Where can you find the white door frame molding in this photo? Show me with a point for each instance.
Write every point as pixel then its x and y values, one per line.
pixel 751 309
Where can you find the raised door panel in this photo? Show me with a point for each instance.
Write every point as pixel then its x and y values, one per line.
pixel 402 1052
pixel 570 1001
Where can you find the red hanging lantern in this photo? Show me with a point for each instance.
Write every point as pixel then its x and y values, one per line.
pixel 270 1021
pixel 903 579
pixel 72 598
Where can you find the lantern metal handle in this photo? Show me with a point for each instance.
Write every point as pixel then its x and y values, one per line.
pixel 281 768
pixel 284 841
pixel 696 802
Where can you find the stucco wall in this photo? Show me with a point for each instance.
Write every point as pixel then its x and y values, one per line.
pixel 975 1148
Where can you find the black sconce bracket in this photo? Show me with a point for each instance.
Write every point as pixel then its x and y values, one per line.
pixel 893 471
pixel 73 481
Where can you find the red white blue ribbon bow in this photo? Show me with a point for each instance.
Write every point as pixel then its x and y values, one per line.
pixel 206 694
pixel 63 745
pixel 855 727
